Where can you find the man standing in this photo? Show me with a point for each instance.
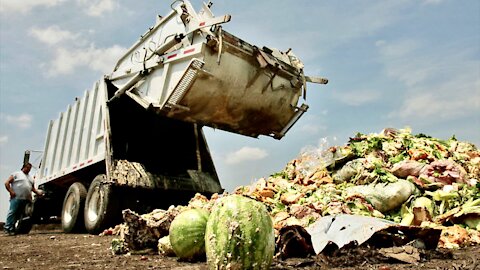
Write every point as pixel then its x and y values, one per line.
pixel 20 186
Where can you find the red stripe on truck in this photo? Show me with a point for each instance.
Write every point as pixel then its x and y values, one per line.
pixel 189 51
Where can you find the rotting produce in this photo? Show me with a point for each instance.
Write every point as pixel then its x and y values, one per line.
pixel 135 140
pixel 187 234
pixel 239 235
pixel 425 192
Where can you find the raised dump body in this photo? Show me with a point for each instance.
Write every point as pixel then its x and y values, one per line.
pixel 135 139
pixel 186 67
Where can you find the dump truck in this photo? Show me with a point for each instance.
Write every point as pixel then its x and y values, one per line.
pixel 135 140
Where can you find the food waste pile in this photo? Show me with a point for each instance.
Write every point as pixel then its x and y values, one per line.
pixel 402 179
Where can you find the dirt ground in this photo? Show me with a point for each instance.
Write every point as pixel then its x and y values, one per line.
pixel 46 247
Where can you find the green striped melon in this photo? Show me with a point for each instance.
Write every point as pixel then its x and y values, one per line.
pixel 239 235
pixel 187 234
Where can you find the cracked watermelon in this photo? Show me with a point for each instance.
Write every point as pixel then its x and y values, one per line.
pixel 239 235
pixel 187 234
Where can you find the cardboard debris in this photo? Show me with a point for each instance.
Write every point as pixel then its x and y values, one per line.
pixel 344 229
pixel 347 231
pixel 406 254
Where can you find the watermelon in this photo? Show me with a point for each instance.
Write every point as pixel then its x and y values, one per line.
pixel 187 234
pixel 239 235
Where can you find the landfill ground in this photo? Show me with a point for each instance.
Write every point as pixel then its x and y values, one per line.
pixel 47 247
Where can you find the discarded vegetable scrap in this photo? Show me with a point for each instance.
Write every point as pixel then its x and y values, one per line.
pixel 394 175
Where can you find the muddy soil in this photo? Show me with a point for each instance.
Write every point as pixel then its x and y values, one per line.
pixel 46 247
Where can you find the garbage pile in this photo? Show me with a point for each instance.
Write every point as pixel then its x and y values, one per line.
pixel 144 233
pixel 393 175
pixel 404 179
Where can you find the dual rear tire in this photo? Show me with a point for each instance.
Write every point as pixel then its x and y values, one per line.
pixel 94 210
pixel 73 205
pixel 101 206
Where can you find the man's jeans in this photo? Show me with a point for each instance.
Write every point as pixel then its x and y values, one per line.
pixel 17 206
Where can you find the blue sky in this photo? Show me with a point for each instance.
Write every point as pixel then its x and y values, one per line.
pixel 390 64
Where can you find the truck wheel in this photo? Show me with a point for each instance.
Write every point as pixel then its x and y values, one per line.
pixel 24 223
pixel 101 208
pixel 73 204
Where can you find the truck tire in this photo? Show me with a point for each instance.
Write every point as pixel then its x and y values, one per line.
pixel 24 223
pixel 73 205
pixel 101 207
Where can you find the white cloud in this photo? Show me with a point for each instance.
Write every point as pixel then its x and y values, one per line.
pixel 25 6
pixel 311 128
pixel 52 35
pixel 92 8
pixel 314 124
pixel 348 24
pixel 440 83
pixel 246 154
pixel 357 97
pixel 401 57
pixel 72 52
pixel 432 2
pixel 396 49
pixel 459 96
pixel 99 59
pixel 3 139
pixel 22 121
pixel 97 8
pixel 323 112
